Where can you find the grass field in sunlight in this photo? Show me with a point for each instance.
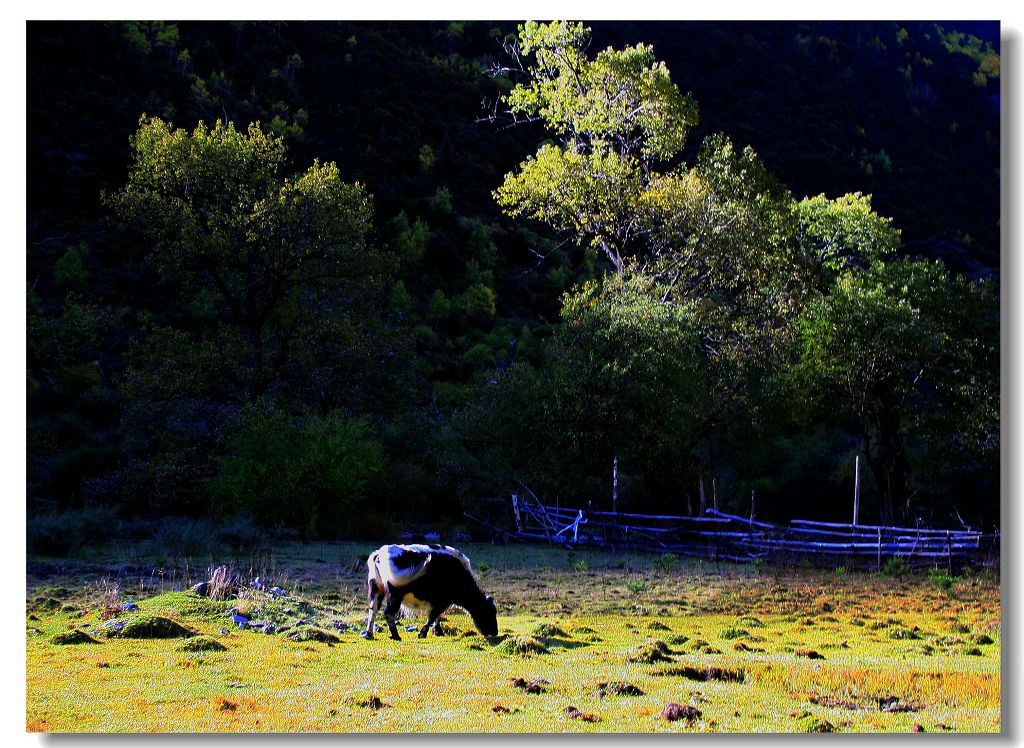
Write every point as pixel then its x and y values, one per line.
pixel 588 641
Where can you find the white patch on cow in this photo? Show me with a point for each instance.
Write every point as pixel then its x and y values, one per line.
pixel 385 571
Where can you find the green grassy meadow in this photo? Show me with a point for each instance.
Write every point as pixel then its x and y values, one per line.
pixel 589 641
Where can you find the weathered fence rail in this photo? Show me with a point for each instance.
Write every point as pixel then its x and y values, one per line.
pixel 718 535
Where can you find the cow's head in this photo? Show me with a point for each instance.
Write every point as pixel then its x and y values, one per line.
pixel 486 618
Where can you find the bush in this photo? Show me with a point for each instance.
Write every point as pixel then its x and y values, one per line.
pixel 896 566
pixel 942 579
pixel 70 532
pixel 308 473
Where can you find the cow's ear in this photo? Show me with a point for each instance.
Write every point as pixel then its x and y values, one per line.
pixel 491 601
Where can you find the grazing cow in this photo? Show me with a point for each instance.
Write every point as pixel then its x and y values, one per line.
pixel 425 578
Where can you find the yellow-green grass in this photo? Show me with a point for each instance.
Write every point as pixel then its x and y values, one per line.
pixel 780 650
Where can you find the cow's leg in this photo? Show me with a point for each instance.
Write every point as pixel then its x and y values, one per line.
pixel 391 611
pixel 374 595
pixel 433 620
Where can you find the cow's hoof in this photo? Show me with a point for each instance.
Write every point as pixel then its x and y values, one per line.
pixel 422 634
pixel 396 637
pixel 366 634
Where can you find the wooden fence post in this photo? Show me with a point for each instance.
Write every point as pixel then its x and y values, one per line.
pixel 856 489
pixel 615 483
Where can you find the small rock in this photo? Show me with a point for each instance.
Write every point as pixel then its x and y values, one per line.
pixel 269 629
pixel 202 589
pixel 128 607
pixel 240 621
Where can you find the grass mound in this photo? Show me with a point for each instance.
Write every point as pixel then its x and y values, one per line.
pixel 46 604
pixel 201 643
pixel 73 637
pixel 673 712
pixel 548 630
pixel 313 634
pixel 735 633
pixel 573 713
pixel 534 686
pixel 521 646
pixel 153 627
pixel 811 723
pixel 617 688
pixel 650 652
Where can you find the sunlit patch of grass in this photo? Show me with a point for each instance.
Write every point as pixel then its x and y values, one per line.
pixel 464 682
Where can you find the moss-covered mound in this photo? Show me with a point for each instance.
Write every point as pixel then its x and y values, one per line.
pixel 522 645
pixel 650 652
pixel 153 627
pixel 73 637
pixel 313 634
pixel 548 630
pixel 201 643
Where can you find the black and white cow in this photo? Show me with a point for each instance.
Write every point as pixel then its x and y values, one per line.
pixel 425 578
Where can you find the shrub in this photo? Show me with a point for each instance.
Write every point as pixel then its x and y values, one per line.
pixel 896 566
pixel 942 579
pixel 667 562
pixel 637 586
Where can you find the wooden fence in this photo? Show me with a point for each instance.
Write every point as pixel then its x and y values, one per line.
pixel 718 535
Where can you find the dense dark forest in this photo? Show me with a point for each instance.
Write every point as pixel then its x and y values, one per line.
pixel 338 279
